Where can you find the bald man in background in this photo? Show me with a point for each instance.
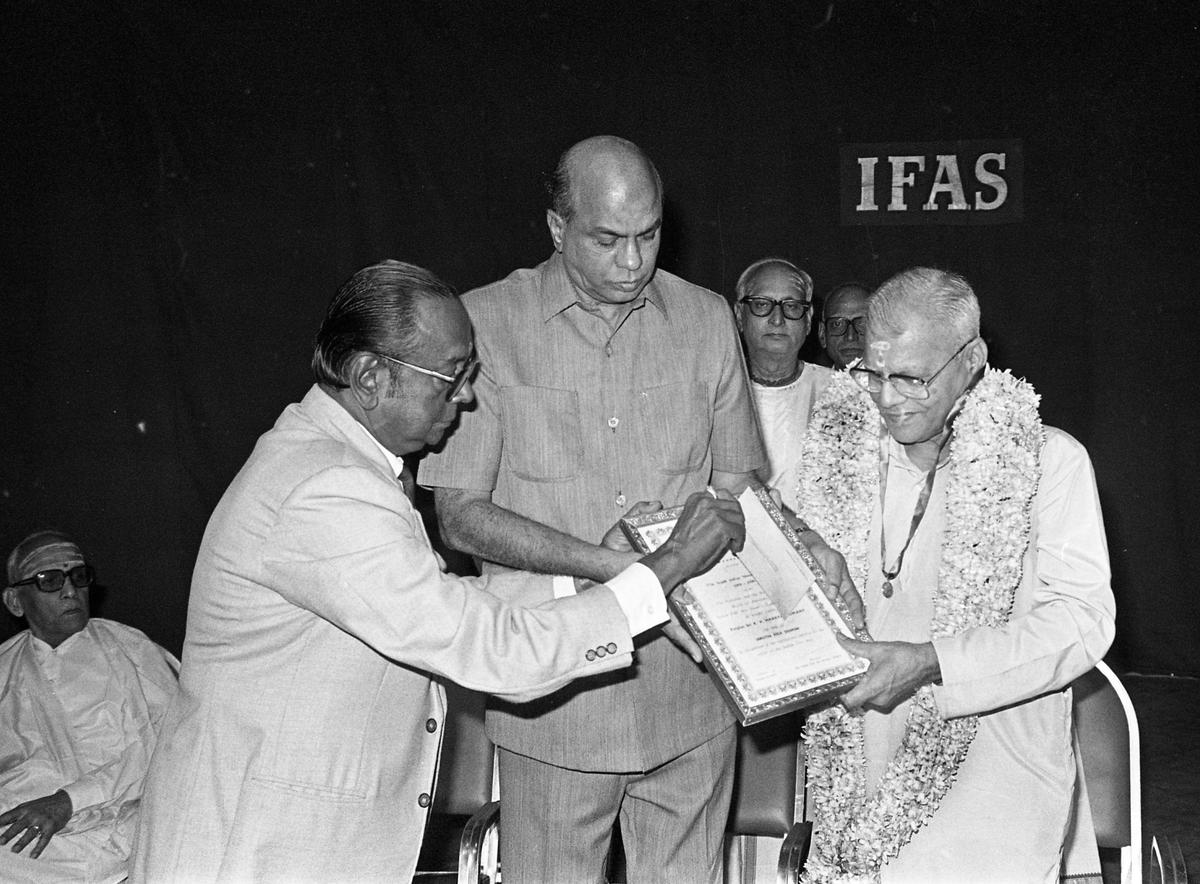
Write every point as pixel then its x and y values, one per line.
pixel 81 703
pixel 843 323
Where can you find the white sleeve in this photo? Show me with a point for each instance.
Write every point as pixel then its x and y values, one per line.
pixel 638 593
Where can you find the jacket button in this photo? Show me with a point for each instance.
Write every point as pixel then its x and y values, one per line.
pixel 424 800
pixel 612 647
pixel 590 656
pixel 601 651
pixel 431 725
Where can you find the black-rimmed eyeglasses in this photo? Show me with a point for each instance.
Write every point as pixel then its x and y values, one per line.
pixel 54 579
pixel 906 385
pixel 792 308
pixel 457 381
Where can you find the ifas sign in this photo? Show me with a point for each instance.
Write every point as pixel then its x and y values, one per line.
pixel 932 182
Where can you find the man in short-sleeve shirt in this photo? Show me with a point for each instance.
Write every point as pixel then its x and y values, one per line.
pixel 604 383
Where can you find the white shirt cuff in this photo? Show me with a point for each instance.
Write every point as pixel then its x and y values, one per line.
pixel 638 593
pixel 640 596
pixel 563 587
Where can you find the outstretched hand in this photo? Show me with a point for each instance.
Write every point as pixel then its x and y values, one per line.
pixel 707 528
pixel 38 820
pixel 839 585
pixel 897 670
pixel 615 539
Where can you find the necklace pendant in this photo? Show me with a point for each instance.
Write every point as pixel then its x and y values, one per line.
pixel 887 589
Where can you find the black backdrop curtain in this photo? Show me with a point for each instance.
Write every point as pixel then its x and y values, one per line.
pixel 186 184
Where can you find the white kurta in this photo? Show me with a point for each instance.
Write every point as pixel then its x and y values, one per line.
pixel 81 717
pixel 1006 816
pixel 783 414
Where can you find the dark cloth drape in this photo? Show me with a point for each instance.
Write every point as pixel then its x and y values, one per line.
pixel 185 186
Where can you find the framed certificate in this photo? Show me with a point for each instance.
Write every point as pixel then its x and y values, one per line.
pixel 761 617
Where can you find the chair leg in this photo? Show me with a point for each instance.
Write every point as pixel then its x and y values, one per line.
pixel 1171 868
pixel 477 863
pixel 793 853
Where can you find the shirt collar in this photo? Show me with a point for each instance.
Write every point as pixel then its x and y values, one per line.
pixel 898 454
pixel 42 649
pixel 559 293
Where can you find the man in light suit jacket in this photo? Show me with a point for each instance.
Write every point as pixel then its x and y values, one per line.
pixel 304 743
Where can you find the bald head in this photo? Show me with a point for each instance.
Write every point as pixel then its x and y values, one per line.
pixel 775 273
pixel 853 292
pixel 39 551
pixel 603 161
pixel 843 323
pixel 606 220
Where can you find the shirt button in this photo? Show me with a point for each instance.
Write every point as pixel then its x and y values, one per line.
pixel 613 422
pixel 620 500
pixel 424 800
pixel 431 725
pixel 608 349
pixel 590 656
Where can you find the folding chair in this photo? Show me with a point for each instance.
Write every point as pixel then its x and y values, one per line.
pixel 461 841
pixel 768 784
pixel 1109 754
pixel 1166 862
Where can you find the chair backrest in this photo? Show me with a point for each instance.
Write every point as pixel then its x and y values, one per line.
pixel 765 778
pixel 465 773
pixel 1109 744
pixel 464 786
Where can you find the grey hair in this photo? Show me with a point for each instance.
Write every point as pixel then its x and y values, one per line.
pixel 936 298
pixel 374 310
pixel 743 282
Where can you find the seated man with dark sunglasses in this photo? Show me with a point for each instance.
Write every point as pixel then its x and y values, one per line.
pixel 80 706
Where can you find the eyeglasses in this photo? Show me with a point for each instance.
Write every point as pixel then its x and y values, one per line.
pixel 456 382
pixel 906 386
pixel 839 325
pixel 792 308
pixel 54 579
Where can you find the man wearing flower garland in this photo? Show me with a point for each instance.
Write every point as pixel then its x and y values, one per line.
pixel 975 533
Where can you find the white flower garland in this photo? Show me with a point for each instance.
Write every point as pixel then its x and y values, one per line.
pixel 995 454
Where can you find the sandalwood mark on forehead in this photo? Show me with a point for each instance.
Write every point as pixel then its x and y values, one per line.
pixel 878 350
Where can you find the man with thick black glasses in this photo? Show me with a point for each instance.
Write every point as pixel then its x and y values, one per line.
pixel 80 704
pixel 774 314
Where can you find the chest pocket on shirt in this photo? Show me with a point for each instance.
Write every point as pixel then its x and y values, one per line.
pixel 542 441
pixel 678 425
